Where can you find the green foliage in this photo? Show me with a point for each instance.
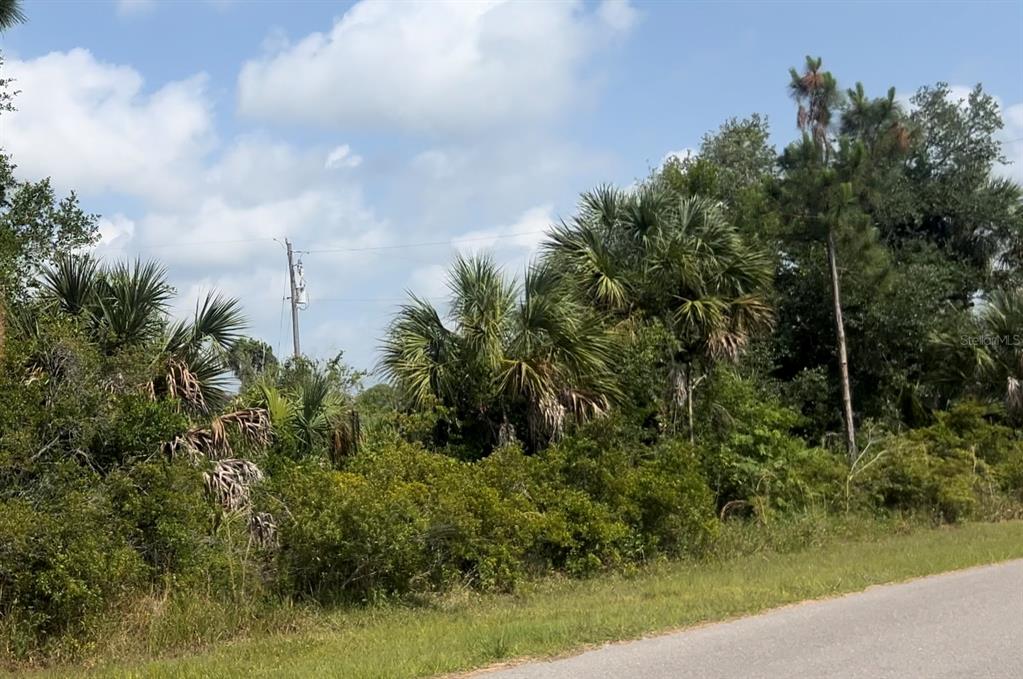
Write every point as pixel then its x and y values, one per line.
pixel 63 562
pixel 168 520
pixel 249 358
pixel 35 228
pixel 955 469
pixel 531 360
pixel 752 457
pixel 404 519
pixel 133 430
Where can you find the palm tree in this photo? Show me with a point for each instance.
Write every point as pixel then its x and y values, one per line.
pixel 653 253
pixel 532 353
pixel 11 14
pixel 126 306
pixel 987 356
pixel 1001 321
pixel 314 414
pixel 817 95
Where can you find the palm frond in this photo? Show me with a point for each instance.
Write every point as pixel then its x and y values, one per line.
pixel 133 301
pixel 71 283
pixel 420 354
pixel 219 320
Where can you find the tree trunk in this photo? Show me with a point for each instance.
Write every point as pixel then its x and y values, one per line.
pixel 843 361
pixel 689 401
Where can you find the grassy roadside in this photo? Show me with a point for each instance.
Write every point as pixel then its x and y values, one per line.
pixel 556 616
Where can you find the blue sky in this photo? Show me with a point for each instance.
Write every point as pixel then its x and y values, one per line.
pixel 203 130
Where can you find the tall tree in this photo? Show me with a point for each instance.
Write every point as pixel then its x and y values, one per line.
pixel 655 254
pixel 529 356
pixel 816 93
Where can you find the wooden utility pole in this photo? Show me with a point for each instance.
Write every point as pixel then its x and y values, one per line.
pixel 294 299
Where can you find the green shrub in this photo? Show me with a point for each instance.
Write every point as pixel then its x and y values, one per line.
pixel 347 538
pixel 674 503
pixel 751 457
pixel 911 476
pixel 168 519
pixel 134 428
pixel 61 567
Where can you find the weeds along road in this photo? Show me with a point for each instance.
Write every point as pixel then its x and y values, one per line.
pixel 967 624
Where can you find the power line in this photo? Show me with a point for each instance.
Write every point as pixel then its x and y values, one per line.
pixel 382 300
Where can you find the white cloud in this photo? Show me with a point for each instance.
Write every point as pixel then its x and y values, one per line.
pixel 430 281
pixel 681 155
pixel 134 7
pixel 209 209
pixel 91 126
pixel 115 232
pixel 618 14
pixel 435 66
pixel 526 233
pixel 342 156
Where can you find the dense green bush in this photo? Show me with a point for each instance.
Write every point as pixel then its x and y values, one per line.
pixel 403 518
pixel 953 468
pixel 62 564
pixel 346 538
pixel 752 457
pixel 167 519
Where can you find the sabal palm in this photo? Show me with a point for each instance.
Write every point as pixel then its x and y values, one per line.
pixel 313 412
pixel 507 349
pixel 127 306
pixel 1001 324
pixel 652 253
pixel 674 258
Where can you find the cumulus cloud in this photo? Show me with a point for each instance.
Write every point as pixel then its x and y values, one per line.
pixel 210 207
pixel 209 211
pixel 526 233
pixel 435 66
pixel 342 156
pixel 91 126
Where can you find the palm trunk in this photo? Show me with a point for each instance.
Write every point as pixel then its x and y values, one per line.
pixel 843 361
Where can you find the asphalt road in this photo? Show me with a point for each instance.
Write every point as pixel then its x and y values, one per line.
pixel 967 625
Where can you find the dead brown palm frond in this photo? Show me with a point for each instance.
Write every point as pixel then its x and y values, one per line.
pixel 584 405
pixel 182 383
pixel 229 482
pixel 199 444
pixel 1014 397
pixel 263 529
pixel 213 442
pixel 726 345
pixel 252 423
pixel 345 437
pixel 546 418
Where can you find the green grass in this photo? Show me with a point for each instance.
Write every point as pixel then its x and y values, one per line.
pixel 553 616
